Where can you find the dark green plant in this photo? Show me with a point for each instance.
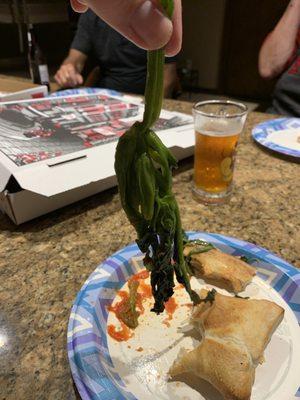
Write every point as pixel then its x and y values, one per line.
pixel 144 171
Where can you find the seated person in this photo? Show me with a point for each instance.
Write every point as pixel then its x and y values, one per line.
pixel 280 57
pixel 123 65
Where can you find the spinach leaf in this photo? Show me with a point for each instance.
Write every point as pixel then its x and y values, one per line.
pixel 144 171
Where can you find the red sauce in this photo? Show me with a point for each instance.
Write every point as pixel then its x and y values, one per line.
pixel 139 304
pixel 144 274
pixel 120 335
pixel 180 286
pixel 119 306
pixel 144 291
pixel 170 307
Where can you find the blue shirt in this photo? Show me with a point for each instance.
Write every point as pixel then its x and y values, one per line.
pixel 123 65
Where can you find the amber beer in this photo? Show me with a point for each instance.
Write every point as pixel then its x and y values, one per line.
pixel 218 124
pixel 214 161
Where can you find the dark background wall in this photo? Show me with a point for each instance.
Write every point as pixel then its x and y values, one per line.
pixel 222 39
pixel 247 23
pixel 54 26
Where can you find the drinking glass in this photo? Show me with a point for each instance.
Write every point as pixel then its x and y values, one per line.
pixel 218 125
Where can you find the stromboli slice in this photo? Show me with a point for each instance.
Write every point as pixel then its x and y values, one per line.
pixel 220 269
pixel 235 333
pixel 225 365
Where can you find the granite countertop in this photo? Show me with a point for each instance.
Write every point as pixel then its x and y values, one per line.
pixel 44 263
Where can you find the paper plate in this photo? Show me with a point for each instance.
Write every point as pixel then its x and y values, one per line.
pixel 105 369
pixel 280 135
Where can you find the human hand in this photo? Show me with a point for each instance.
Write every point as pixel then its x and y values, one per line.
pixel 67 76
pixel 141 21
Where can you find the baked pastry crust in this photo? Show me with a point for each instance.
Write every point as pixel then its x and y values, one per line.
pixel 235 333
pixel 220 269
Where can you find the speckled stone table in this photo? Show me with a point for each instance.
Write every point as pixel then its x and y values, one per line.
pixel 44 263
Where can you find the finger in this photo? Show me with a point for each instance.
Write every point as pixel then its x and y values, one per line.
pixel 59 78
pixel 69 74
pixel 78 6
pixel 79 79
pixel 138 20
pixel 174 45
pixel 64 78
pixel 66 74
pixel 73 79
pixel 70 78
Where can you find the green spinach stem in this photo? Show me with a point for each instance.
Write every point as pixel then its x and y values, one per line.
pixel 143 167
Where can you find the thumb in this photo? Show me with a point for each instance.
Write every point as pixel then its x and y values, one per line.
pixel 78 6
pixel 138 20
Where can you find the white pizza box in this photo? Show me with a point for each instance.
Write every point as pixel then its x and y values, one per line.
pixel 31 93
pixel 36 188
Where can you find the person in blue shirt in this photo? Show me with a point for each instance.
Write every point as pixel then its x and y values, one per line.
pixel 122 65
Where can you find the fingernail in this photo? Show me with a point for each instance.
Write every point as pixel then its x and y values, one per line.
pixel 79 5
pixel 151 25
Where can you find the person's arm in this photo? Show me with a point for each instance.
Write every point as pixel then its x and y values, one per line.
pixel 141 21
pixel 69 73
pixel 280 45
pixel 170 79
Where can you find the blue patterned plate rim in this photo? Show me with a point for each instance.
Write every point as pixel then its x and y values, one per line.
pixel 85 90
pixel 262 131
pixel 281 275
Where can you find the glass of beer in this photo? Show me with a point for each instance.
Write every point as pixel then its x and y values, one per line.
pixel 218 124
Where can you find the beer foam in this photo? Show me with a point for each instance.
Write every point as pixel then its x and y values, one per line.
pixel 218 127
